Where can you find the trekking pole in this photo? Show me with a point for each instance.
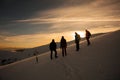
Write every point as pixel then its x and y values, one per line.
pixel 36 53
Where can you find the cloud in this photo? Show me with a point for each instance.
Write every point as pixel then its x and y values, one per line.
pixel 30 40
pixel 78 10
pixel 33 40
pixel 27 9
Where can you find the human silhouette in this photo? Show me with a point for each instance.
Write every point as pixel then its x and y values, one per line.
pixel 88 35
pixel 52 48
pixel 63 46
pixel 77 40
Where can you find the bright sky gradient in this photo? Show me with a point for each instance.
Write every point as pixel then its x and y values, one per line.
pixel 31 23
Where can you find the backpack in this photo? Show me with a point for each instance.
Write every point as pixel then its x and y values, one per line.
pixel 89 34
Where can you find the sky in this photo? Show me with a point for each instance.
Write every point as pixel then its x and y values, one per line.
pixel 31 23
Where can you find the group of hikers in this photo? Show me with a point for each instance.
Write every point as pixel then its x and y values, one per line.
pixel 63 44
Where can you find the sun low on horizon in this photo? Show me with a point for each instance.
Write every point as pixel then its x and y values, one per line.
pixel 28 24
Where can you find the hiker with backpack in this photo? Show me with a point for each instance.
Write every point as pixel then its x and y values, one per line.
pixel 77 41
pixel 52 48
pixel 63 46
pixel 88 35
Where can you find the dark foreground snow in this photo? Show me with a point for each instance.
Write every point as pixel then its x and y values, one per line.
pixel 99 61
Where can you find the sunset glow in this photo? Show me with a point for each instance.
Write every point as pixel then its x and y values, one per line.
pixel 32 23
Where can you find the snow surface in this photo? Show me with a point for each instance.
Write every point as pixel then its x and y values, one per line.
pixel 99 61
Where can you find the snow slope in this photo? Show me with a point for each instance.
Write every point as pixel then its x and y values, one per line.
pixel 99 61
pixel 7 57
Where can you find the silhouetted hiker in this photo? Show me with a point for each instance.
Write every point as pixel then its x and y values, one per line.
pixel 77 40
pixel 63 46
pixel 53 47
pixel 88 35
